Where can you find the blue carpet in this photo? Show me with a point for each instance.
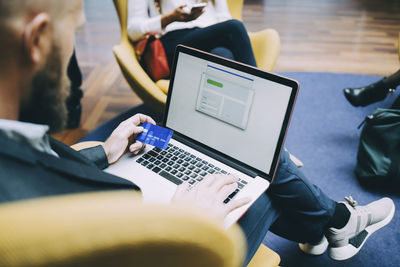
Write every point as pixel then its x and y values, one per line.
pixel 324 135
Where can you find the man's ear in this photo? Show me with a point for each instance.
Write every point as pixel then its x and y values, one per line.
pixel 37 38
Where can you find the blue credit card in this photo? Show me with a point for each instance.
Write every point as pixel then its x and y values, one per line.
pixel 155 135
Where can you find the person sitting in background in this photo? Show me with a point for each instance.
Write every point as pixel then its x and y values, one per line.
pixel 74 105
pixel 36 42
pixel 374 92
pixel 211 29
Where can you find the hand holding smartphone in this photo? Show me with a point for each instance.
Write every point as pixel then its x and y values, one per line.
pixel 197 7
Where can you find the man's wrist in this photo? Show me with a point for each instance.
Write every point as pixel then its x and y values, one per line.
pixel 106 151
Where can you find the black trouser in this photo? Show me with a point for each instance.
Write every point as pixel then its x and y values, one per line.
pixel 227 39
pixel 74 100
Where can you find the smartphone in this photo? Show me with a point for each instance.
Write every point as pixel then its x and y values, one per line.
pixel 197 7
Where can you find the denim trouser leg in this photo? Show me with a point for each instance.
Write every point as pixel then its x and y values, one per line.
pixel 231 35
pixel 306 209
pixel 256 222
pixel 292 208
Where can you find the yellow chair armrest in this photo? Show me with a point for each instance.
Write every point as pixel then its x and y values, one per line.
pixel 264 257
pixel 113 229
pixel 235 8
pixel 266 45
pixel 87 144
pixel 138 78
pixel 163 85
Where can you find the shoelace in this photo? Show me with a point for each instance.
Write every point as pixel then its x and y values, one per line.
pixel 352 202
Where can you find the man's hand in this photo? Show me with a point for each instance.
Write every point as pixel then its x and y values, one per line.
pixel 209 195
pixel 123 137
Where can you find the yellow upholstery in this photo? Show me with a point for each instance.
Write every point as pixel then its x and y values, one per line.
pixel 264 257
pixel 163 85
pixel 265 45
pixel 113 229
pixel 86 144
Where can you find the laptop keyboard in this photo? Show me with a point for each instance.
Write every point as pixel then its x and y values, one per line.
pixel 178 165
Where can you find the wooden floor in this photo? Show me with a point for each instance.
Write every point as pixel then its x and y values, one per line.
pixel 352 36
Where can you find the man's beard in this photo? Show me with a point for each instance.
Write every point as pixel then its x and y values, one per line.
pixel 48 95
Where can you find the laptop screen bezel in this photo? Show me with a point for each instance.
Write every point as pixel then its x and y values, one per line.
pixel 246 69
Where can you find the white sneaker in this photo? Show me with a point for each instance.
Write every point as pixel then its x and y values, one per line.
pixel 315 249
pixel 344 243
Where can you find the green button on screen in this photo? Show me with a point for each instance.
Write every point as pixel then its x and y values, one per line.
pixel 215 83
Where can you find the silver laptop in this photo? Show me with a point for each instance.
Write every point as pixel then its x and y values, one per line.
pixel 227 117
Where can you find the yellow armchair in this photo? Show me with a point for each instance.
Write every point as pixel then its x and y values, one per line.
pixel 113 229
pixel 265 44
pixel 116 229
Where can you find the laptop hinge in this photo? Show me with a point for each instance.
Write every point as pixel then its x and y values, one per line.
pixel 216 156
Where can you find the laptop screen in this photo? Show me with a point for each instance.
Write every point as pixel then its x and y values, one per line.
pixel 234 109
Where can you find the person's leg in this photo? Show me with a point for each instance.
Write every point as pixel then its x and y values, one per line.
pixel 171 40
pixel 230 34
pixel 74 99
pixel 393 80
pixel 292 208
pixel 374 92
pixel 308 215
pixel 256 222
pixel 298 210
pixel 223 52
pixel 306 210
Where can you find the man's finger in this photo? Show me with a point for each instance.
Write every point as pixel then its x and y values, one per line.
pixel 181 189
pixel 223 180
pixel 140 118
pixel 127 131
pixel 226 191
pixel 132 128
pixel 208 180
pixel 145 118
pixel 237 203
pixel 136 147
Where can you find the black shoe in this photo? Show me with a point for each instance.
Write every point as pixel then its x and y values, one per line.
pixel 364 96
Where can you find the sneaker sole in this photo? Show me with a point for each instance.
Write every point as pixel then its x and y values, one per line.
pixel 357 242
pixel 315 250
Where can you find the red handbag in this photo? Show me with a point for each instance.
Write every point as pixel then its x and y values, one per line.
pixel 152 57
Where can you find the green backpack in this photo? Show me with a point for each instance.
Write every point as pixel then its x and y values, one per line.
pixel 378 158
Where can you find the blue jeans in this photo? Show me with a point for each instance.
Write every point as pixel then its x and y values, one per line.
pixel 226 39
pixel 292 208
